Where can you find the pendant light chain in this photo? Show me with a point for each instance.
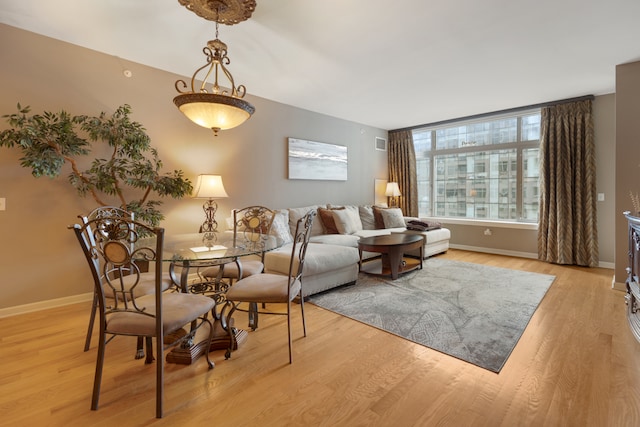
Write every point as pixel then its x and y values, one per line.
pixel 217 19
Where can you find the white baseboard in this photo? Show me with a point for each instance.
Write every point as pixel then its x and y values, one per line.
pixel 618 286
pixel 58 302
pixel 495 251
pixel 43 305
pixel 515 253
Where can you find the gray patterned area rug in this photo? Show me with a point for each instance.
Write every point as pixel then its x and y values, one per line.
pixel 473 312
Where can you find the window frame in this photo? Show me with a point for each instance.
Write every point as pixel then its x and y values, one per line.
pixel 520 147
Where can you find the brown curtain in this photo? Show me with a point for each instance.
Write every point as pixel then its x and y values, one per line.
pixel 402 169
pixel 567 232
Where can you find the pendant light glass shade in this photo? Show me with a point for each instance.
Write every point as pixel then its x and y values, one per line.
pixel 217 112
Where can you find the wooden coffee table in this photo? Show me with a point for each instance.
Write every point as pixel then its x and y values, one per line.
pixel 392 247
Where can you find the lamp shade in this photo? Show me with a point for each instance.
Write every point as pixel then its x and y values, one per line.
pixel 392 190
pixel 214 111
pixel 209 187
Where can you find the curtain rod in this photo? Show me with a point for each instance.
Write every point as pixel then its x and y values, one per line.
pixel 510 110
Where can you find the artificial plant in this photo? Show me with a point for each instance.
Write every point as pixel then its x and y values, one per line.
pixel 131 174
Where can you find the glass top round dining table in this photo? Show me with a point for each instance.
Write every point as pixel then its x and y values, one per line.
pixel 197 250
pixel 213 246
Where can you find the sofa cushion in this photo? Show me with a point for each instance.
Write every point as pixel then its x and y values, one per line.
pixel 353 210
pixel 379 220
pixel 355 216
pixel 392 218
pixel 328 223
pixel 280 226
pixel 343 222
pixel 320 258
pixel 366 217
pixel 296 213
pixel 378 232
pixel 377 217
pixel 350 240
pixel 347 220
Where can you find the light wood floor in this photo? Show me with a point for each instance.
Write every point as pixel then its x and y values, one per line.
pixel 577 364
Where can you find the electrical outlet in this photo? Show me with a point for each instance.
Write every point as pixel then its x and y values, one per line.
pixel 3 204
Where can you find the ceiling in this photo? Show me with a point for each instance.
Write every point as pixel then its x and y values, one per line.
pixel 387 64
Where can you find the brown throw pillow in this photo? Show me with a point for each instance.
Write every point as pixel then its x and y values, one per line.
pixel 328 223
pixel 377 217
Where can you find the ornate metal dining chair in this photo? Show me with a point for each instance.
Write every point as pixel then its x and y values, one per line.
pixel 147 280
pixel 251 226
pixel 275 288
pixel 111 246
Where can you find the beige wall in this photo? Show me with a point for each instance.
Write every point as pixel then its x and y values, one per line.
pixel 39 258
pixel 604 118
pixel 627 165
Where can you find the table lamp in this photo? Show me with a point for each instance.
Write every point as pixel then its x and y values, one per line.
pixel 209 187
pixel 392 192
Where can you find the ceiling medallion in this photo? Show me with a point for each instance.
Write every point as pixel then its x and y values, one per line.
pixel 228 12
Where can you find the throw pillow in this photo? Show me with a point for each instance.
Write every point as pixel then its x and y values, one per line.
pixel 344 221
pixel 377 216
pixel 367 218
pixel 392 218
pixel 280 226
pixel 327 220
pixel 353 212
pixel 296 213
pixel 355 217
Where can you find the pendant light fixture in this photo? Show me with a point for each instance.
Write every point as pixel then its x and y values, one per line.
pixel 209 104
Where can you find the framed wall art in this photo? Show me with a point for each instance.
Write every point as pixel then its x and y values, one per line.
pixel 317 160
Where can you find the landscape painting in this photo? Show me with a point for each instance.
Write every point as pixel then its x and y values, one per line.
pixel 317 160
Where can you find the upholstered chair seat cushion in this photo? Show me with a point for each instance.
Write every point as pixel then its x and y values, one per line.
pixel 267 288
pixel 177 312
pixel 249 268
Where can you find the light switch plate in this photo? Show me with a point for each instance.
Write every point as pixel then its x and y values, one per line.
pixel 3 204
pixel 601 197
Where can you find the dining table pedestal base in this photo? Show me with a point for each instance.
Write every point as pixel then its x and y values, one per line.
pixel 220 341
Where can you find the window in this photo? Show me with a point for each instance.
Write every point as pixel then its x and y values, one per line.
pixel 480 169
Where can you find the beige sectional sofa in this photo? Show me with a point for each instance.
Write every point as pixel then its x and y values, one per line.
pixel 332 255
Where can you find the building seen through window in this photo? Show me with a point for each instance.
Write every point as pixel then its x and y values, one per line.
pixel 481 169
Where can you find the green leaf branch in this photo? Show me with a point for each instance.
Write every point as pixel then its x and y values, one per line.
pixel 49 140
